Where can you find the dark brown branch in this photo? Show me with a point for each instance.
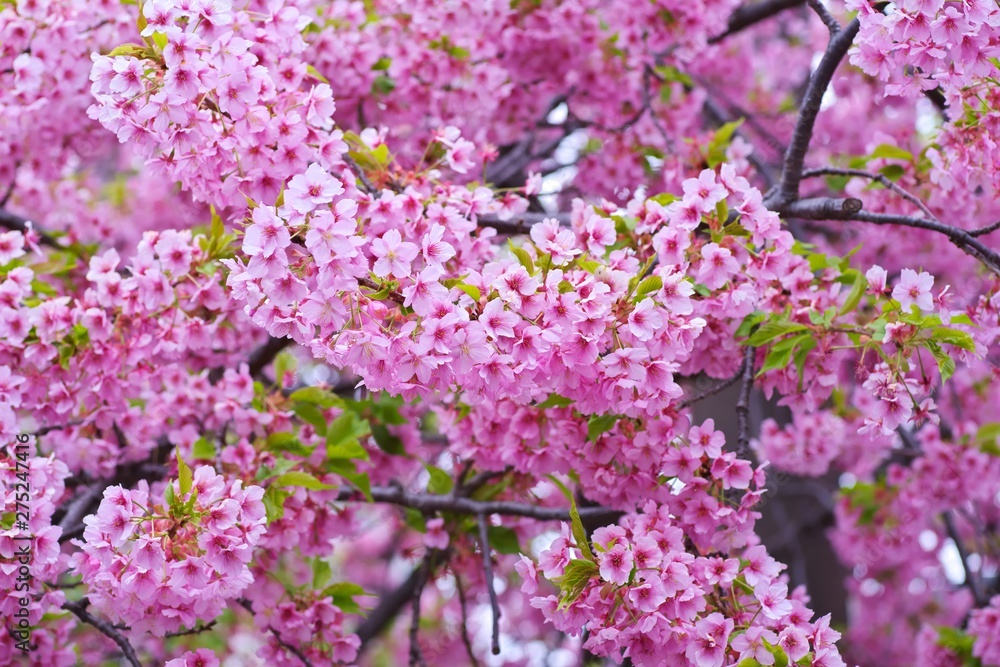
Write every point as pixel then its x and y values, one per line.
pixel 791 172
pixel 988 229
pixel 18 224
pixel 192 631
pixel 388 608
pixel 824 14
pixel 743 405
pixel 824 208
pixel 79 609
pixel 714 389
pixel 753 13
pixel 520 224
pixel 423 573
pixel 294 650
pixel 366 185
pixel 484 544
pixel 971 581
pixel 431 503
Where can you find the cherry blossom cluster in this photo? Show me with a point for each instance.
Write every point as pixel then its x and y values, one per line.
pixel 162 566
pixel 218 98
pixel 641 593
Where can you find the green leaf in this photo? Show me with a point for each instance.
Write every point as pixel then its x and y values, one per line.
pixel 133 50
pixel 892 171
pixel 522 256
pixel 891 152
pixel 954 337
pixel 322 571
pixel 281 465
pixel 471 290
pixel 301 479
pixel 382 64
pixel 555 401
pixel 346 428
pixel 599 424
pixel 184 476
pixel 857 291
pixel 343 594
pixel 347 450
pixel 383 85
pixel 203 449
pixel 503 539
pixel 440 482
pixel 160 39
pixel 316 396
pixel 283 363
pixel 311 71
pixel 768 331
pixel 274 502
pixel 386 441
pixel 748 323
pixel 349 471
pixel 288 443
pixel 945 364
pixel 575 577
pixel 311 414
pixel 579 534
pixel 649 285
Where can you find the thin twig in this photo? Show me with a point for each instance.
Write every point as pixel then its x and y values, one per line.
pixel 392 295
pixel 294 650
pixel 985 230
pixel 366 185
pixel 192 631
pixel 466 640
pixel 714 389
pixel 79 609
pixel 970 581
pixel 434 503
pixel 880 178
pixel 484 544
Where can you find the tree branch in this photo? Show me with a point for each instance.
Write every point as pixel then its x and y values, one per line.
pixel 791 172
pixel 743 405
pixel 520 224
pixel 465 621
pixel 388 607
pixel 970 581
pixel 79 609
pixel 484 544
pixel 429 503
pixel 825 208
pixel 824 14
pixel 416 656
pixel 753 13
pixel 18 224
pixel 880 178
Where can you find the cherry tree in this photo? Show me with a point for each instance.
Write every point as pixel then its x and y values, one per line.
pixel 381 332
